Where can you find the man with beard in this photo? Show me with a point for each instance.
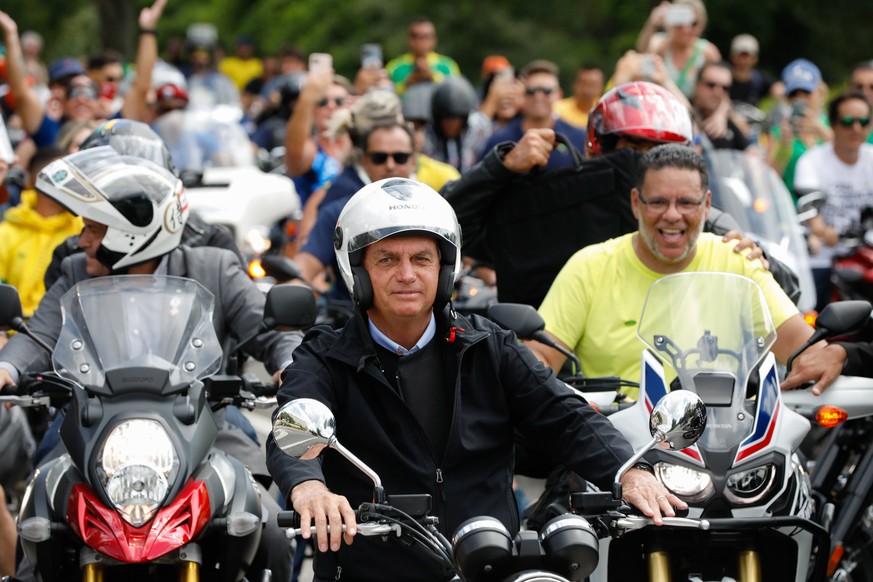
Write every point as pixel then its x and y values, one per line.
pixel 593 305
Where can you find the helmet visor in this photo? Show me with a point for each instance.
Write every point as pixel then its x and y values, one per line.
pixel 132 185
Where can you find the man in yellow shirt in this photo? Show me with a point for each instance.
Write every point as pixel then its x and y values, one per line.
pixel 587 89
pixel 593 306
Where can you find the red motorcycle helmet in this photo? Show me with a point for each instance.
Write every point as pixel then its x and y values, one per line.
pixel 640 110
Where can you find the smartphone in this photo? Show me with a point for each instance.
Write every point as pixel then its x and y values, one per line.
pixel 679 15
pixel 320 62
pixel 6 152
pixel 371 56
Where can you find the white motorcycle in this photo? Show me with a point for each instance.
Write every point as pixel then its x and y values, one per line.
pixel 223 183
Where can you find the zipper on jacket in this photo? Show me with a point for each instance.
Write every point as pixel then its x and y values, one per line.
pixel 439 480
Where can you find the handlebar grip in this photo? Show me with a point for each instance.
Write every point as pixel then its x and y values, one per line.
pixel 288 518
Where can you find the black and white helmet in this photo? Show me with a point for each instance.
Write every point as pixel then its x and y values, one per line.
pixel 387 208
pixel 142 204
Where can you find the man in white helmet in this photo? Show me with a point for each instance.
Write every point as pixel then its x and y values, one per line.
pixel 430 400
pixel 134 213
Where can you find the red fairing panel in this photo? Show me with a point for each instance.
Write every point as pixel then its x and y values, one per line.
pixel 105 531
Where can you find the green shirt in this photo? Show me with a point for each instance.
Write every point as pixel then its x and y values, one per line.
pixel 441 66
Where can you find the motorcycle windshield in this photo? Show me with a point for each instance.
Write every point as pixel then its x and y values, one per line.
pixel 137 321
pixel 206 138
pixel 713 329
pixel 747 188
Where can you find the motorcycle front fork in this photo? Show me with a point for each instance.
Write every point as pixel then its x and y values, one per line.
pixel 188 572
pixel 748 566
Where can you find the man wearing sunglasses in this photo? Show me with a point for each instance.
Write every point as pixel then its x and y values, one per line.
pixel 711 105
pixel 843 171
pixel 861 81
pixel 541 91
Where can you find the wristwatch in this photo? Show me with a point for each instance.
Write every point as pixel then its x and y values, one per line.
pixel 644 466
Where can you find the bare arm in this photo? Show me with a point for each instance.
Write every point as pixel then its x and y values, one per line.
pixel 134 106
pixel 548 355
pixel 300 148
pixel 653 24
pixel 790 336
pixel 29 107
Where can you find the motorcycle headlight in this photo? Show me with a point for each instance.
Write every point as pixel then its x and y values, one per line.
pixel 689 484
pixel 136 467
pixel 749 486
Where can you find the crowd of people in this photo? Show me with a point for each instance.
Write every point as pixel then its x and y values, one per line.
pixel 414 129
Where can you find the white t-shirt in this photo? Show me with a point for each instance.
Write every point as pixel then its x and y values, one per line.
pixel 849 188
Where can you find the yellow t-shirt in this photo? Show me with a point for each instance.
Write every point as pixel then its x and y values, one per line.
pixel 595 302
pixel 567 110
pixel 27 241
pixel 434 173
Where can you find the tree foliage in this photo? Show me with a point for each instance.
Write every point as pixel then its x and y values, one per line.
pixel 598 31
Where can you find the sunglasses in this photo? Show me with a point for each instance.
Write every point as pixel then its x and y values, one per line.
pixel 338 101
pixel 86 91
pixel 380 158
pixel 544 90
pixel 849 121
pixel 714 85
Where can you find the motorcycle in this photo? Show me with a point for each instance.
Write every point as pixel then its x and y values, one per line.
pixel 223 182
pixel 138 490
pixel 842 472
pixel 744 476
pixel 482 548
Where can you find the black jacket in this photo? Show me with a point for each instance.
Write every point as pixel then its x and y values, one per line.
pixel 500 387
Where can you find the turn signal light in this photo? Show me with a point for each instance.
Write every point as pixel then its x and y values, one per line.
pixel 810 317
pixel 829 416
pixel 834 561
pixel 256 270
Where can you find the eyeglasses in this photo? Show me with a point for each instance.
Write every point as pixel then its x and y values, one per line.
pixel 111 79
pixel 380 158
pixel 338 101
pixel 85 91
pixel 849 121
pixel 421 35
pixel 661 205
pixel 544 90
pixel 714 85
pixel 862 86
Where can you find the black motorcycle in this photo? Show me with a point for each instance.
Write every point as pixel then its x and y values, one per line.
pixel 139 491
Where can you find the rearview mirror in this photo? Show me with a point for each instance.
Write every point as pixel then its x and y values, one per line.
pixel 10 307
pixel 289 307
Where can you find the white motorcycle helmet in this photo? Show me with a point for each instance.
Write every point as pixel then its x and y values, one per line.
pixel 143 205
pixel 386 208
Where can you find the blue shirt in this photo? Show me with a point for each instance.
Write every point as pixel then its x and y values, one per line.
pixel 392 346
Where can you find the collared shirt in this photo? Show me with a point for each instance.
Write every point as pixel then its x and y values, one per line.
pixel 390 345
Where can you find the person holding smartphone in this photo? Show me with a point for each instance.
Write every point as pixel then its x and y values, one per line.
pixel 680 41
pixel 421 64
pixel 313 158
